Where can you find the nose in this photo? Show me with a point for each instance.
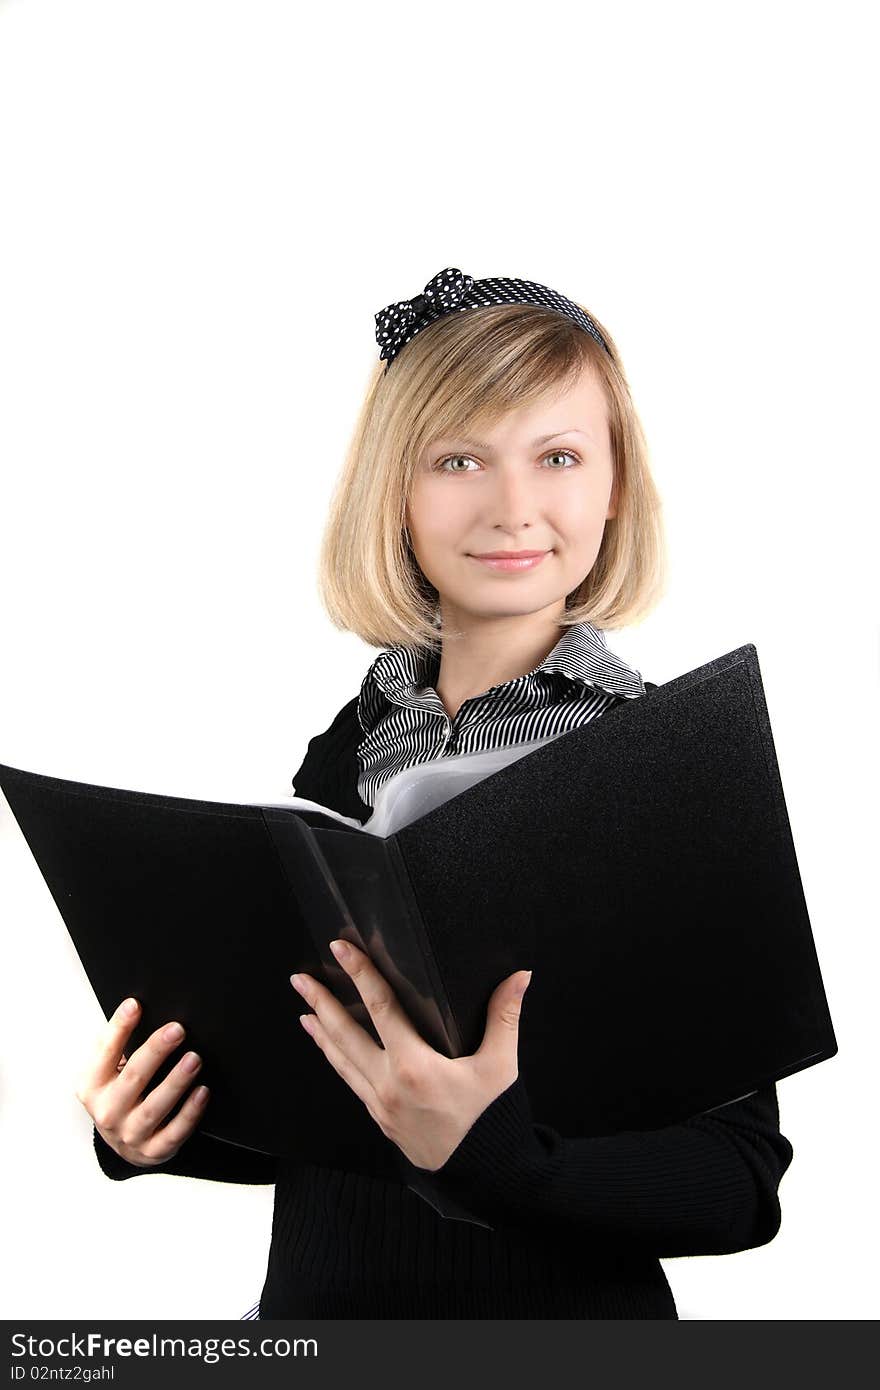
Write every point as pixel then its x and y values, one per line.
pixel 512 500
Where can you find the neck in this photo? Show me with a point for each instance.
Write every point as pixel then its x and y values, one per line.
pixel 489 651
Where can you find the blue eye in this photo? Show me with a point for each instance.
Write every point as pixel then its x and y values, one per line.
pixel 450 458
pixel 563 453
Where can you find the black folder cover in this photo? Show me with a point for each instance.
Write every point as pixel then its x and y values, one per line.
pixel 641 865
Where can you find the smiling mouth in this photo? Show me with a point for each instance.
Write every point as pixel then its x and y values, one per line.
pixel 512 562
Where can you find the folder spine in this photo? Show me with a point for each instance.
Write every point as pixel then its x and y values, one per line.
pixel 397 864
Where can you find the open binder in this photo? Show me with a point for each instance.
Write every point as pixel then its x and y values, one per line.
pixel 641 865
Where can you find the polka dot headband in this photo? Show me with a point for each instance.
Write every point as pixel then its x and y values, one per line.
pixel 451 291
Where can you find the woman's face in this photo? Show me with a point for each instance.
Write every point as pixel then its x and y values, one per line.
pixel 539 480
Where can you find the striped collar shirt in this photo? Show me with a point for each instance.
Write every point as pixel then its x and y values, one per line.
pixel 404 721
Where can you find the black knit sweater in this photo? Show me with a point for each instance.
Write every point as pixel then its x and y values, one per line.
pixel 579 1225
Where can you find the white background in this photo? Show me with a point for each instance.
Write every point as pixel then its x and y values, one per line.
pixel 204 202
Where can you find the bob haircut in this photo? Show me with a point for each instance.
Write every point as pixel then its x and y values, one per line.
pixel 463 371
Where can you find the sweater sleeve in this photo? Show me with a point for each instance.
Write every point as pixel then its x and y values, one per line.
pixel 707 1186
pixel 329 771
pixel 199 1156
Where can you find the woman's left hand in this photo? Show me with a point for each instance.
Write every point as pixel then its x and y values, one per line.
pixel 424 1102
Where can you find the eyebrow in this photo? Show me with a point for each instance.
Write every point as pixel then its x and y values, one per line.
pixel 487 448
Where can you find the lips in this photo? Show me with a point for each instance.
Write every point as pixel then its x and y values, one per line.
pixel 508 554
pixel 512 561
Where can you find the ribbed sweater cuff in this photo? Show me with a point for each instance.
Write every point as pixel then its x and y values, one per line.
pixel 200 1156
pixel 501 1148
pixel 702 1187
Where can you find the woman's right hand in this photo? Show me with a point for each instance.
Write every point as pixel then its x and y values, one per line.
pixel 112 1085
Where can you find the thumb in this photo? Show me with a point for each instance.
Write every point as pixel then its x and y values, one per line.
pixel 502 1019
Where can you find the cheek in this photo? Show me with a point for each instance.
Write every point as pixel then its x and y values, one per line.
pixel 582 516
pixel 581 528
pixel 435 516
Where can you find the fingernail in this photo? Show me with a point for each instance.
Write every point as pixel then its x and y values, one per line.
pixel 524 984
pixel 173 1032
pixel 339 949
pixel 130 1006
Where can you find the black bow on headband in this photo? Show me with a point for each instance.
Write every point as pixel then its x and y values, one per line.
pixel 395 323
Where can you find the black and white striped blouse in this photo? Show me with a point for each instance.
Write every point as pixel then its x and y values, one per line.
pixel 405 722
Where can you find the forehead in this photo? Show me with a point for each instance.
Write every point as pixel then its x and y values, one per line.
pixel 579 407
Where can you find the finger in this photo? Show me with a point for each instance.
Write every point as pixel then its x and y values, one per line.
pixel 390 1020
pixel 503 1015
pixel 145 1117
pixel 125 1088
pixel 104 1063
pixel 163 1143
pixel 119 1110
pixel 145 1061
pixel 345 1031
pixel 340 1062
pixel 143 1127
pixel 166 1141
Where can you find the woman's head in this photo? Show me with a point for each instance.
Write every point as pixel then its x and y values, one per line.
pixel 446 463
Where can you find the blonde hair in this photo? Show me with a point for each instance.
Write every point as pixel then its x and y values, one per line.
pixel 466 368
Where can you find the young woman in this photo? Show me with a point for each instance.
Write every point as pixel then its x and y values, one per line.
pixel 496 513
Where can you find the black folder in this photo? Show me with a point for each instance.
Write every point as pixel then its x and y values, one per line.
pixel 641 865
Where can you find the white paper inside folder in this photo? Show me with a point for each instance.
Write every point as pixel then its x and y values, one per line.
pixel 302 803
pixel 419 789
pixel 416 790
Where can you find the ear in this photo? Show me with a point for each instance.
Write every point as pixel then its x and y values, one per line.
pixel 612 501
